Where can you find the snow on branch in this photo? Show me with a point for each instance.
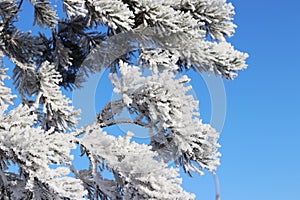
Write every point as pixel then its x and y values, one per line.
pixel 44 13
pixel 34 150
pixel 219 58
pixel 167 105
pixel 161 15
pixel 74 8
pixel 113 13
pixel 178 49
pixel 8 9
pixel 165 36
pixel 214 16
pixel 58 112
pixel 6 97
pixel 136 179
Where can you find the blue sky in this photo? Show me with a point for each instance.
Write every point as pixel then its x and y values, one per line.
pixel 260 138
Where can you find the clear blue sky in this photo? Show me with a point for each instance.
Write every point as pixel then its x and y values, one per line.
pixel 260 140
pixel 261 136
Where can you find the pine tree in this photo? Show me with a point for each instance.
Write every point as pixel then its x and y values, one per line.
pixel 128 37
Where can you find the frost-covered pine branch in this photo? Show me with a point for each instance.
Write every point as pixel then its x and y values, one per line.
pixel 6 97
pixel 56 109
pixel 172 113
pixel 133 179
pixel 34 150
pixel 145 45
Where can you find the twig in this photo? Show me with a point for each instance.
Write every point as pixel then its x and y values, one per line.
pixel 123 121
pixel 217 184
pixel 19 6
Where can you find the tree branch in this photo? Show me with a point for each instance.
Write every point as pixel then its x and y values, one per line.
pixel 19 6
pixel 123 121
pixel 106 117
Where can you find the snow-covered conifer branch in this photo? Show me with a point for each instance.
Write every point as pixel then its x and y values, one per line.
pixel 8 9
pixel 44 14
pixel 165 36
pixel 58 113
pixel 135 179
pixel 74 8
pixel 34 150
pixel 214 16
pixel 167 105
pixel 161 16
pixel 219 58
pixel 6 97
pixel 113 13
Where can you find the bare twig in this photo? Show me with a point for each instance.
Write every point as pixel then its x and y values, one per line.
pixel 217 184
pixel 19 6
